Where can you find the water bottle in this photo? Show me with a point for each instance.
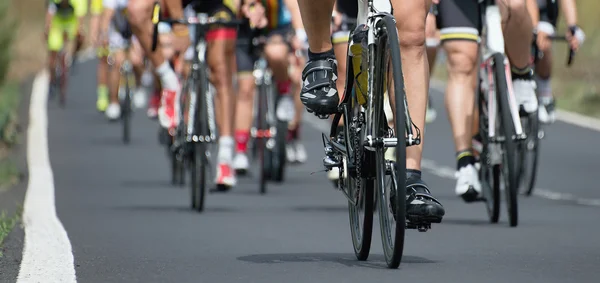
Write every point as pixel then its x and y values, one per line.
pixel 359 50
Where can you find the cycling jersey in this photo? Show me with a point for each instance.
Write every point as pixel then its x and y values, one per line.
pixel 119 31
pixel 96 7
pixel 210 6
pixel 67 9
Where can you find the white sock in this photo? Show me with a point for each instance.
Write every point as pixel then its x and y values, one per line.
pixel 544 87
pixel 226 144
pixel 167 76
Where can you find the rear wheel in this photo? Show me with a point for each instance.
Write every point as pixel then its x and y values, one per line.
pixel 530 148
pixel 262 137
pixel 489 173
pixel 391 189
pixel 278 152
pixel 509 144
pixel 126 112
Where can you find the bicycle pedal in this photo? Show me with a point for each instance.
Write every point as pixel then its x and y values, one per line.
pixel 421 227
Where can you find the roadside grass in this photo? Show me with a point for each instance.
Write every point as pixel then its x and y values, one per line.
pixel 7 223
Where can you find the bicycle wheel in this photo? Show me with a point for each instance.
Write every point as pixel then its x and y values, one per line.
pixel 360 190
pixel 530 148
pixel 126 111
pixel 262 150
pixel 201 152
pixel 509 145
pixel 391 196
pixel 278 152
pixel 488 171
pixel 64 70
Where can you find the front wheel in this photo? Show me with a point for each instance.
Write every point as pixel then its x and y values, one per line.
pixel 199 175
pixel 391 187
pixel 530 148
pixel 509 145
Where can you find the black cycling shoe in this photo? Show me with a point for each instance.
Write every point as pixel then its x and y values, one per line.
pixel 421 206
pixel 319 93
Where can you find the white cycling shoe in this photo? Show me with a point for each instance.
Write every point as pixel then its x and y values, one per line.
pixel 113 111
pixel 241 163
pixel 525 94
pixel 467 183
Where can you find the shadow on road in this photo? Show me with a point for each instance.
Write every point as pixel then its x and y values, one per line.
pixel 176 209
pixel 321 208
pixel 349 260
pixel 470 222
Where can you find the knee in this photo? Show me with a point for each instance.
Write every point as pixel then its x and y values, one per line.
pixel 246 89
pixel 412 37
pixel 138 11
pixel 218 69
pixel 276 53
pixel 462 64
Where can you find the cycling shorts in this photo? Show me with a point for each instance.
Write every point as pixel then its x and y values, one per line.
pixel 220 9
pixel 58 28
pixel 458 20
pixel 549 11
pixel 245 53
pixel 96 7
pixel 348 8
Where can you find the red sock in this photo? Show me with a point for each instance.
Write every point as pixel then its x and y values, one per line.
pixel 241 140
pixel 284 87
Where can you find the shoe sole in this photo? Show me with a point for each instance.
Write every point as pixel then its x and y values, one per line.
pixel 241 171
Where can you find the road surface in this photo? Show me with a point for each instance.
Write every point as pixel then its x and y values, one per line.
pixel 126 223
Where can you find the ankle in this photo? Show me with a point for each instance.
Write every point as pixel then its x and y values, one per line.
pixel 464 158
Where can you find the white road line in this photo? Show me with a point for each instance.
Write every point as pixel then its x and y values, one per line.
pixel 448 172
pixel 47 255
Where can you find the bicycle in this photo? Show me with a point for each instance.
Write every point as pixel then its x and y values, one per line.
pixel 530 147
pixel 499 120
pixel 269 131
pixel 195 138
pixel 358 150
pixel 59 84
pixel 125 85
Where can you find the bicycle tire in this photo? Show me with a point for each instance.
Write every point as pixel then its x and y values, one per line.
pixel 126 112
pixel 278 153
pixel 530 153
pixel 509 145
pixel 200 152
pixel 393 241
pixel 488 172
pixel 264 157
pixel 63 80
pixel 362 209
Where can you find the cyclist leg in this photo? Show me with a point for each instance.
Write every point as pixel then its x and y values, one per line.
pixel 136 56
pixel 543 67
pixel 459 22
pixel 296 62
pixel 518 35
pixel 245 99
pixel 55 44
pixel 221 61
pixel 139 13
pixel 116 45
pixel 432 42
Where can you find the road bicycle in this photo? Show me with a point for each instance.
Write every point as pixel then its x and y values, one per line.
pixel 126 83
pixel 269 130
pixel 194 142
pixel 530 147
pixel 358 150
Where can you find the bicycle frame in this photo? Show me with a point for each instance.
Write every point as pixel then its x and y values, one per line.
pixel 263 77
pixel 199 61
pixel 494 43
pixel 370 12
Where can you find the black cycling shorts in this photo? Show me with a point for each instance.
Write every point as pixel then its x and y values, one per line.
pixel 348 8
pixel 548 11
pixel 245 52
pixel 458 20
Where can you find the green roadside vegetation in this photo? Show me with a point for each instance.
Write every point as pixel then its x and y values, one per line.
pixel 576 88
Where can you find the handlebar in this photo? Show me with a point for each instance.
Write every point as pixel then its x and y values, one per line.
pixel 199 20
pixel 560 38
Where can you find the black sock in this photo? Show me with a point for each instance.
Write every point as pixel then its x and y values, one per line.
pixel 321 56
pixel 525 73
pixel 464 158
pixel 413 172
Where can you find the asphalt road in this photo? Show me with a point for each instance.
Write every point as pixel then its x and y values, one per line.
pixel 126 223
